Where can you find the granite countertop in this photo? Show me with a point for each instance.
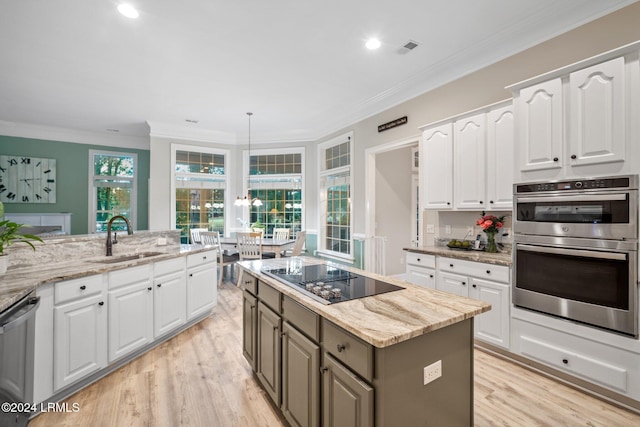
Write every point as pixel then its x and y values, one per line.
pixel 500 258
pixel 385 319
pixel 17 283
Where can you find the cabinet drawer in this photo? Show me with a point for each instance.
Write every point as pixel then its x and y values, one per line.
pixel 423 260
pixel 250 283
pixel 169 266
pixel 302 318
pixel 350 350
pixel 497 273
pixel 79 288
pixel 201 258
pixel 269 296
pixel 573 362
pixel 128 276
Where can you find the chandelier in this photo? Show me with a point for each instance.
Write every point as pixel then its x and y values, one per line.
pixel 246 201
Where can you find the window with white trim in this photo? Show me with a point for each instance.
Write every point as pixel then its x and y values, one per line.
pixel 200 189
pixel 276 178
pixel 335 196
pixel 113 189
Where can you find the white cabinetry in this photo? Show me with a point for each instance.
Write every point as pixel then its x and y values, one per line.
pixel 578 121
pixel 80 329
pixel 130 310
pixel 478 148
pixel 486 282
pixel 421 269
pixel 202 286
pixel 500 141
pixel 169 296
pixel 469 163
pixel 437 167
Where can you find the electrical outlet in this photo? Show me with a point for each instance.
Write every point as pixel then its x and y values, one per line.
pixel 432 372
pixel 162 241
pixel 431 229
pixel 447 229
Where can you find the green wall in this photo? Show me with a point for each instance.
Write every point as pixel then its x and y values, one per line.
pixel 72 163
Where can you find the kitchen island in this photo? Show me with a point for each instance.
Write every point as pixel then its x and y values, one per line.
pixel 399 358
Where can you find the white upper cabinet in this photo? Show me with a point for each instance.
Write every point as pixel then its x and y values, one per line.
pixel 469 162
pixel 581 120
pixel 540 129
pixel 437 167
pixel 597 114
pixel 500 142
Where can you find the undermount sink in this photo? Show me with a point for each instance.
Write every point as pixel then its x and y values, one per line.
pixel 115 259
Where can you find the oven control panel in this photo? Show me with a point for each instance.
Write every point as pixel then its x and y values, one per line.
pixel 576 185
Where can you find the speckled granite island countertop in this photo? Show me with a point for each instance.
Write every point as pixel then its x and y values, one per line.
pixel 501 258
pixel 381 320
pixel 19 282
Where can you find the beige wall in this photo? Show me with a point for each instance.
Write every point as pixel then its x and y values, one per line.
pixel 486 86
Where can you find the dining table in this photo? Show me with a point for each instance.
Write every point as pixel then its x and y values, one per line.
pixel 276 246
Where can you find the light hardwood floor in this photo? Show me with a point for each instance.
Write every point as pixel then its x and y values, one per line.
pixel 200 378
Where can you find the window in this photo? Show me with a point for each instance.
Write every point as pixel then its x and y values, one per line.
pixel 275 177
pixel 112 189
pixel 335 196
pixel 200 189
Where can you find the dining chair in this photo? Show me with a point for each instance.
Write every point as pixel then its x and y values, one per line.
pixel 258 230
pixel 281 233
pixel 212 238
pixel 195 234
pixel 249 247
pixel 298 245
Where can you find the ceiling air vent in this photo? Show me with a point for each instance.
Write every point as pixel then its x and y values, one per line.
pixel 408 47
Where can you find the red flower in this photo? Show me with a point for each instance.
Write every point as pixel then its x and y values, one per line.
pixel 490 223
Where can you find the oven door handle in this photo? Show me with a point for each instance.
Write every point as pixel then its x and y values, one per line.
pixel 576 198
pixel 573 252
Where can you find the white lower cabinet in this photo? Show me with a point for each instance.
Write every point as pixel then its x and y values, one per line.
pixel 421 269
pixel 202 284
pixel 486 282
pixel 169 296
pixel 80 329
pixel 130 310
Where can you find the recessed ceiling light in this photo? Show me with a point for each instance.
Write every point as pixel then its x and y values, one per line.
pixel 128 11
pixel 372 44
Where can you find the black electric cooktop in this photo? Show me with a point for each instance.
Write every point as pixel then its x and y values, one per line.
pixel 327 283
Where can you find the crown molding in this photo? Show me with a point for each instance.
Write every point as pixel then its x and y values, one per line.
pixel 52 133
pixel 172 131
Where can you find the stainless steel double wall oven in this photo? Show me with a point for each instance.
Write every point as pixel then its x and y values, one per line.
pixel 576 250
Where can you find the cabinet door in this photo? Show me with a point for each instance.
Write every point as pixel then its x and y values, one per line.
pixel 469 142
pixel 597 114
pixel 249 328
pixel 436 160
pixel 539 126
pixel 300 378
pixel 130 318
pixel 500 142
pixel 492 326
pixel 421 276
pixel 80 339
pixel 269 358
pixel 169 303
pixel 346 399
pixel 202 290
pixel 453 283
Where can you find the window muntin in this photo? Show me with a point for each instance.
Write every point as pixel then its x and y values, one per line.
pixel 113 189
pixel 199 208
pixel 335 197
pixel 276 164
pixel 281 208
pixel 197 162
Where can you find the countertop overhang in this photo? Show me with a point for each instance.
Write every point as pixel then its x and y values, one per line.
pixel 15 284
pixel 381 320
pixel 500 258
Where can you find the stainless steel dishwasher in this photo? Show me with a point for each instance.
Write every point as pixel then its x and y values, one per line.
pixel 17 331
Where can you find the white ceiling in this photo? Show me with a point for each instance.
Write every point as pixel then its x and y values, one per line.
pixel 300 67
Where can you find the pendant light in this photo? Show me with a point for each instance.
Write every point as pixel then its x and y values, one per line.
pixel 246 201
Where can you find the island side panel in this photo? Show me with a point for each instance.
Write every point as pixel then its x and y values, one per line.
pixel 401 398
